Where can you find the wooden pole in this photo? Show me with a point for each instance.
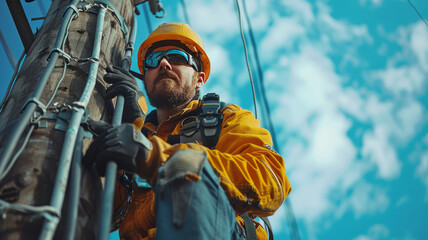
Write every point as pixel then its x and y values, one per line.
pixel 31 179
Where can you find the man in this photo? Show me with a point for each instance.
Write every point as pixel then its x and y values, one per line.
pixel 205 164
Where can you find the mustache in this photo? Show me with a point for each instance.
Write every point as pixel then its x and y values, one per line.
pixel 163 73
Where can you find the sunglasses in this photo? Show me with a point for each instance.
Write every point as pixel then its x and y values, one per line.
pixel 174 56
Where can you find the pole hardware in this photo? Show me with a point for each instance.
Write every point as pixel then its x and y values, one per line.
pixel 28 111
pixel 72 7
pixel 47 212
pixel 155 7
pixel 61 53
pixel 57 199
pixel 68 118
pixel 40 107
pixel 123 25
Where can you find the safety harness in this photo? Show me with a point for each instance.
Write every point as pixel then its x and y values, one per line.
pixel 204 125
pixel 203 128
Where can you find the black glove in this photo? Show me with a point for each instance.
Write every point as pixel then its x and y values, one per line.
pixel 123 144
pixel 126 85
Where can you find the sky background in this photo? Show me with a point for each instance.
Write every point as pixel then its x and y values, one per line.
pixel 346 83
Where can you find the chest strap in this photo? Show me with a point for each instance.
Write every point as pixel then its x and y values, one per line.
pixel 205 127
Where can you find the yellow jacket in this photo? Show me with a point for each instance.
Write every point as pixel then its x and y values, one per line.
pixel 252 175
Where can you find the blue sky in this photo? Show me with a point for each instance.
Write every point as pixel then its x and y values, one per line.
pixel 346 83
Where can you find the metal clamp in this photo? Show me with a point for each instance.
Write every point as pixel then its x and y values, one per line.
pixel 85 60
pixel 39 105
pixel 130 46
pixel 123 25
pixel 61 53
pixel 73 7
pixel 47 212
pixel 84 6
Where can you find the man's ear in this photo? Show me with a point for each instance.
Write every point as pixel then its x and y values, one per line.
pixel 200 80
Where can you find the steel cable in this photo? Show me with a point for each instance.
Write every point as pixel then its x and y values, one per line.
pixel 291 218
pixel 246 58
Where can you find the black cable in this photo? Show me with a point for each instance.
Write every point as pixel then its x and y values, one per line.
pixel 417 12
pixel 246 58
pixel 186 16
pixel 291 217
pixel 260 74
pixel 146 16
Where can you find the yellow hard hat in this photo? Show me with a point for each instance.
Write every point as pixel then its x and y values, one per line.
pixel 175 31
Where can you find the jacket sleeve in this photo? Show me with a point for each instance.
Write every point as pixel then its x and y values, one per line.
pixel 250 171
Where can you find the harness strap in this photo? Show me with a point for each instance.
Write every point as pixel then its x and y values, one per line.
pixel 250 229
pixel 211 119
pixel 204 126
pixel 269 226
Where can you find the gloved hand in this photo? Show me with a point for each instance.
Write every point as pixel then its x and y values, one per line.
pixel 125 84
pixel 124 144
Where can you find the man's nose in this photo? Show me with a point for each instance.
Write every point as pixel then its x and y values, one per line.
pixel 165 64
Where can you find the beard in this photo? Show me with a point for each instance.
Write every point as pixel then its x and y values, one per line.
pixel 167 97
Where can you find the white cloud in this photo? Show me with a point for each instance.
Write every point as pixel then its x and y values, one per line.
pixel 300 8
pixel 401 80
pixel 367 199
pixel 409 118
pixel 214 23
pixel 422 168
pixel 221 77
pixel 340 31
pixel 412 39
pixel 419 44
pixel 321 157
pixel 376 3
pixel 377 231
pixel 283 34
pixel 257 13
pixel 378 150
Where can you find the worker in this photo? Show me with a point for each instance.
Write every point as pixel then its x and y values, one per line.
pixel 201 165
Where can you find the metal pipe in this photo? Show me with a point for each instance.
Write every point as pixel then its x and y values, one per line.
pixel 76 171
pixel 57 199
pixel 111 169
pixel 22 122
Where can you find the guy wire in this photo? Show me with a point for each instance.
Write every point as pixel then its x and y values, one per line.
pixel 246 58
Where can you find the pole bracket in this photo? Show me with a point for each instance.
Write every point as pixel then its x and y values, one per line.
pixel 40 108
pixel 123 25
pixel 61 53
pixel 48 212
pixel 72 7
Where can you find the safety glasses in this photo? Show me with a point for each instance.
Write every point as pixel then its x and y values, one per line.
pixel 174 56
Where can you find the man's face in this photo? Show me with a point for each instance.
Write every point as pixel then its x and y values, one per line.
pixel 172 85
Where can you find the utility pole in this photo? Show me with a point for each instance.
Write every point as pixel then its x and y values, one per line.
pixel 31 179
